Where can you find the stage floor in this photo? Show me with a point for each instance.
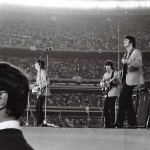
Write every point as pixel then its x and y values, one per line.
pixel 48 138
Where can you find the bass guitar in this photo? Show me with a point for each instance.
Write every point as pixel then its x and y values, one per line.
pixel 38 91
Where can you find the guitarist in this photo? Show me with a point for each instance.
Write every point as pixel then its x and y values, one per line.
pixel 110 82
pixel 42 82
pixel 132 76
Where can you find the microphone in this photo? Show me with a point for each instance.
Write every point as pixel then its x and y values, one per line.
pixel 47 49
pixel 30 67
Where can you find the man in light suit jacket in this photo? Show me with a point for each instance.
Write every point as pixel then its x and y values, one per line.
pixel 132 76
pixel 14 90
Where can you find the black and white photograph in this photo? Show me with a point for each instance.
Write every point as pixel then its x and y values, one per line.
pixel 75 75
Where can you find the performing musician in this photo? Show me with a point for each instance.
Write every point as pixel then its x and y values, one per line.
pixel 41 89
pixel 132 76
pixel 109 83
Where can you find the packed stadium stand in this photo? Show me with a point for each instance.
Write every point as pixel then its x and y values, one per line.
pixel 38 29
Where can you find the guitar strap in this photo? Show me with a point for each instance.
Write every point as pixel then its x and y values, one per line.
pixel 112 75
pixel 125 67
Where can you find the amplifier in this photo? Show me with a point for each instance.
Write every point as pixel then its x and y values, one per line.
pixel 142 111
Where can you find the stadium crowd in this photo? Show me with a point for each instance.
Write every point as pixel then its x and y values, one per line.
pixel 71 31
pixel 68 68
pixel 72 99
pixel 66 122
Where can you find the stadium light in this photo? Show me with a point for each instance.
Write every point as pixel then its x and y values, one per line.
pixel 81 4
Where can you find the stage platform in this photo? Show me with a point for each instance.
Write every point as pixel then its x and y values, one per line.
pixel 48 138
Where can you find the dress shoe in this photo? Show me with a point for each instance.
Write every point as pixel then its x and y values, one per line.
pixel 106 126
pixel 131 127
pixel 118 125
pixel 112 126
pixel 40 125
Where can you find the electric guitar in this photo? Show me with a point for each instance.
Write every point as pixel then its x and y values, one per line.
pixel 38 91
pixel 113 82
pixel 107 86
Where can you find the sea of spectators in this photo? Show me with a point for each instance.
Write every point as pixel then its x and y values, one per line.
pixel 74 99
pixel 58 67
pixel 65 122
pixel 61 68
pixel 71 31
pixel 76 122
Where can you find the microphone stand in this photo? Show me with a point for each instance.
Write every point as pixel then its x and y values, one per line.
pixel 45 124
pixel 28 103
pixel 45 113
pixel 27 122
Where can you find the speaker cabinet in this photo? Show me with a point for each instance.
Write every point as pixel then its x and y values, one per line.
pixel 142 111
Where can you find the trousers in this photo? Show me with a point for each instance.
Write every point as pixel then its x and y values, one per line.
pixel 39 110
pixel 109 111
pixel 125 105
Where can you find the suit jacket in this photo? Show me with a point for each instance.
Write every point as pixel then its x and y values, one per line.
pixel 13 139
pixel 42 80
pixel 134 74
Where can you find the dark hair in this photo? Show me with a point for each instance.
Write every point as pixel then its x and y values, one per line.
pixel 17 86
pixel 109 63
pixel 41 63
pixel 131 40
